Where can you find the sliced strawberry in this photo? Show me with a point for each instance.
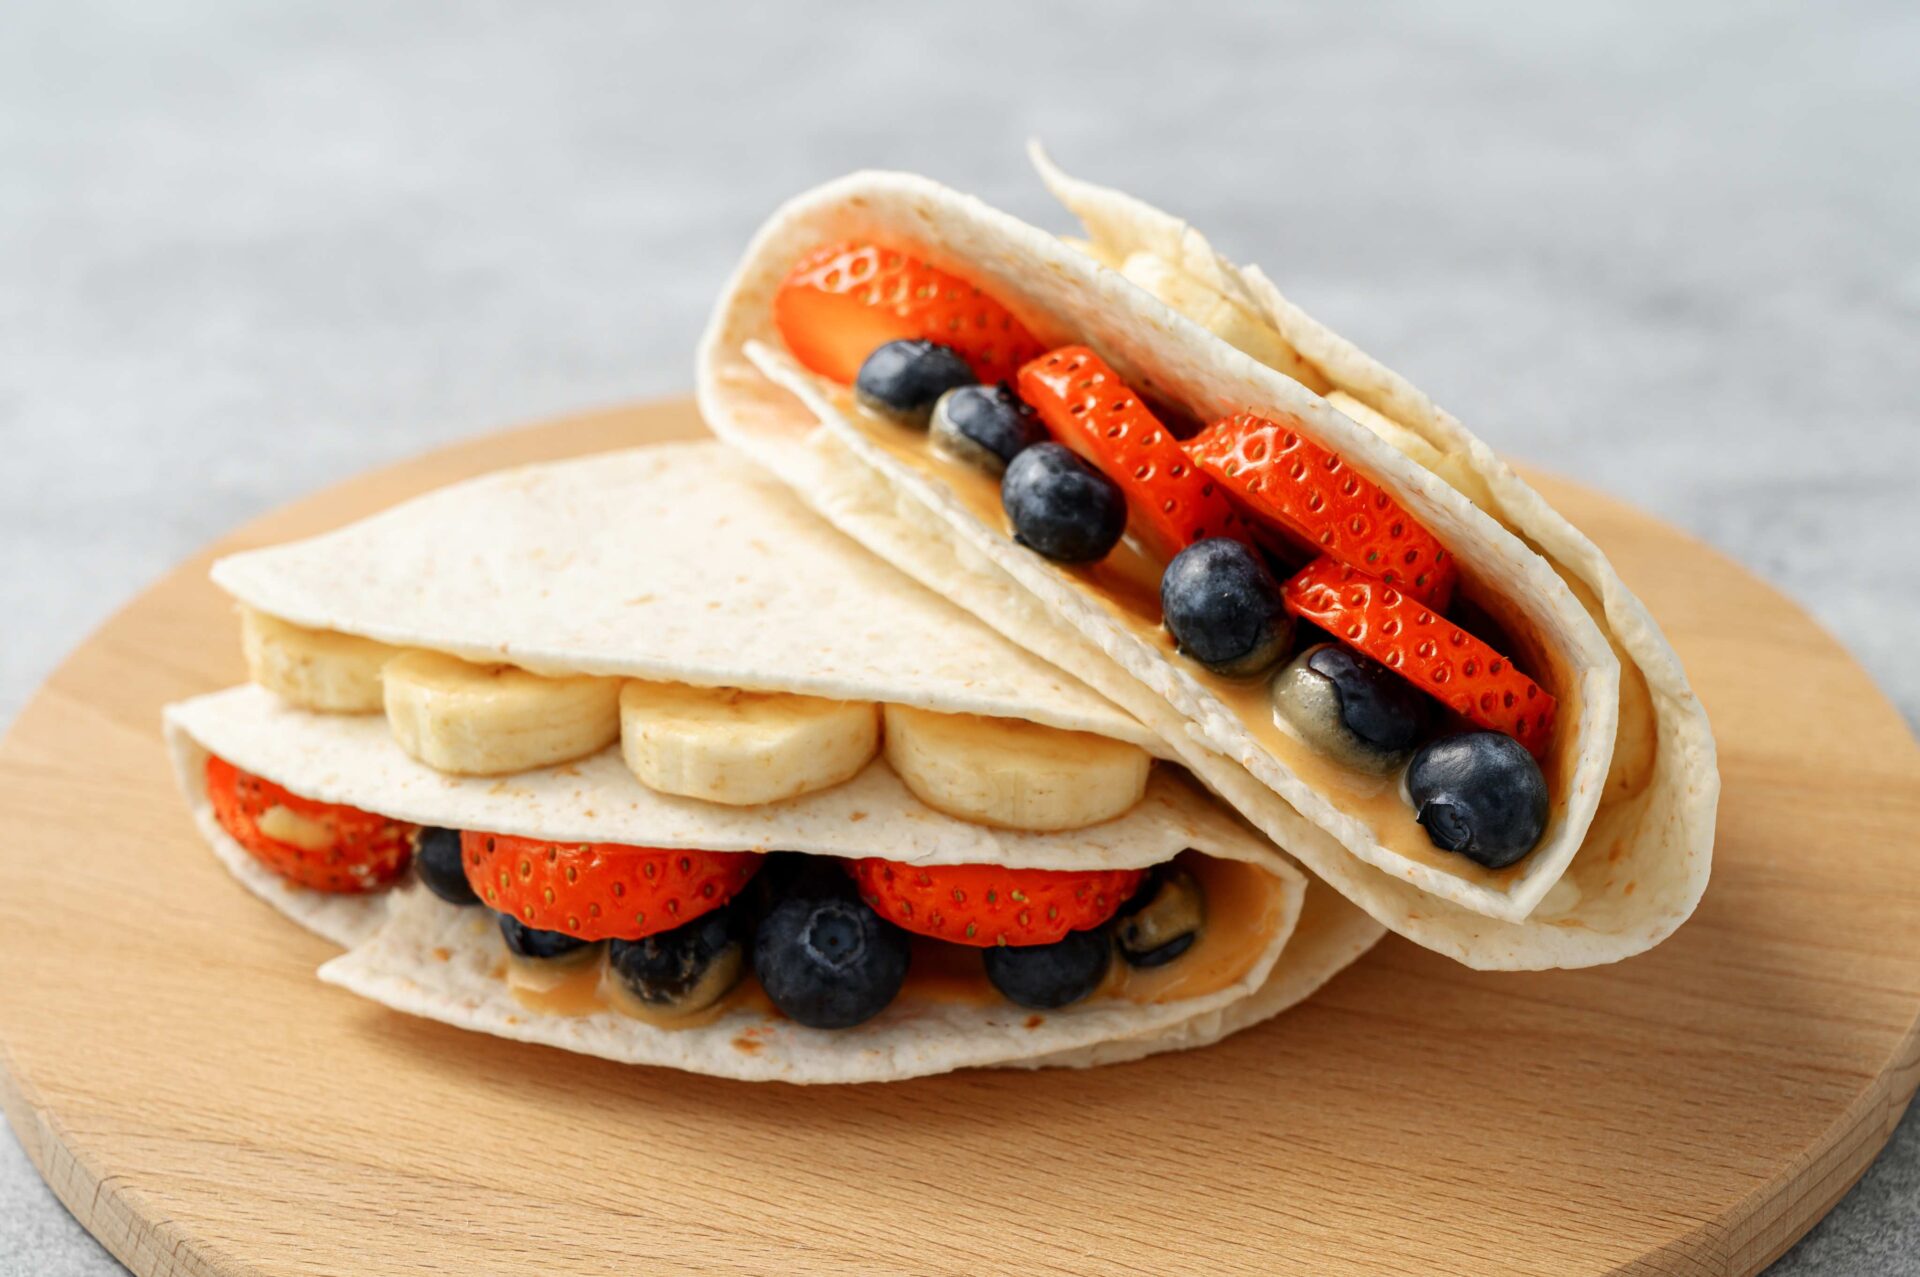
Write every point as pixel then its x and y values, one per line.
pixel 1283 477
pixel 843 300
pixel 1088 408
pixel 984 905
pixel 1428 650
pixel 322 846
pixel 601 891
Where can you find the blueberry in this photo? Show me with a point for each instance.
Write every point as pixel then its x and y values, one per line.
pixel 985 426
pixel 1480 794
pixel 826 959
pixel 1047 976
pixel 1163 919
pixel 779 874
pixel 684 970
pixel 1061 506
pixel 1351 708
pixel 531 942
pixel 436 858
pixel 1223 607
pixel 901 380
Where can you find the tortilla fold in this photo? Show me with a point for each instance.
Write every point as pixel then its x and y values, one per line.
pixel 683 563
pixel 1627 849
pixel 417 954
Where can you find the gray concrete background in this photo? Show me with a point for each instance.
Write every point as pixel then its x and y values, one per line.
pixel 246 250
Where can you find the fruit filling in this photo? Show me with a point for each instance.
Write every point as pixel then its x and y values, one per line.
pixel 1423 647
pixel 842 301
pixel 601 891
pixel 989 905
pixel 1376 682
pixel 720 745
pixel 1291 482
pixel 1172 501
pixel 321 846
pixel 675 937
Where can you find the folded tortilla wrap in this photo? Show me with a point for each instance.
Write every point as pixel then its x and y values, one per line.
pixel 1631 769
pixel 676 563
pixel 682 563
pixel 425 957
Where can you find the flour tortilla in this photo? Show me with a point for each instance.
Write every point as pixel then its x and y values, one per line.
pixel 1657 811
pixel 678 563
pixel 1592 892
pixel 683 563
pixel 420 955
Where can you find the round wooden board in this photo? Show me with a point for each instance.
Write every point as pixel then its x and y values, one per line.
pixel 205 1106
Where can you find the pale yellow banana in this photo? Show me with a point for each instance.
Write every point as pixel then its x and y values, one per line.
pixel 1008 772
pixel 742 748
pixel 486 720
pixel 313 669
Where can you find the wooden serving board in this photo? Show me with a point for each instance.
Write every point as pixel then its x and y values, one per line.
pixel 205 1106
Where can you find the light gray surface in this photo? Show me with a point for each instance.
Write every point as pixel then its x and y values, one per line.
pixel 249 249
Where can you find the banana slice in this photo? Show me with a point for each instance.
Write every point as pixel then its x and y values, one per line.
pixel 1221 316
pixel 313 669
pixel 1020 775
pixel 742 748
pixel 484 720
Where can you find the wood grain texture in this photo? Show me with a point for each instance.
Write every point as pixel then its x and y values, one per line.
pixel 206 1107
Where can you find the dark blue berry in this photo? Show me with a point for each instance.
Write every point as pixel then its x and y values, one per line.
pixel 684 970
pixel 1223 607
pixel 1480 794
pixel 436 858
pixel 1048 976
pixel 1061 506
pixel 1351 708
pixel 1162 921
pixel 902 379
pixel 826 959
pixel 985 426
pixel 780 873
pixel 531 942
pixel 1377 705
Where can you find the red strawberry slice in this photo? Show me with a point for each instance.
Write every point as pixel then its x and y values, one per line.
pixel 1087 407
pixel 1290 481
pixel 601 891
pixel 842 301
pixel 324 846
pixel 983 905
pixel 1428 650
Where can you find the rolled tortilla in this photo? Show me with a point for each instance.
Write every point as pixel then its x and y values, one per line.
pixel 1627 850
pixel 429 958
